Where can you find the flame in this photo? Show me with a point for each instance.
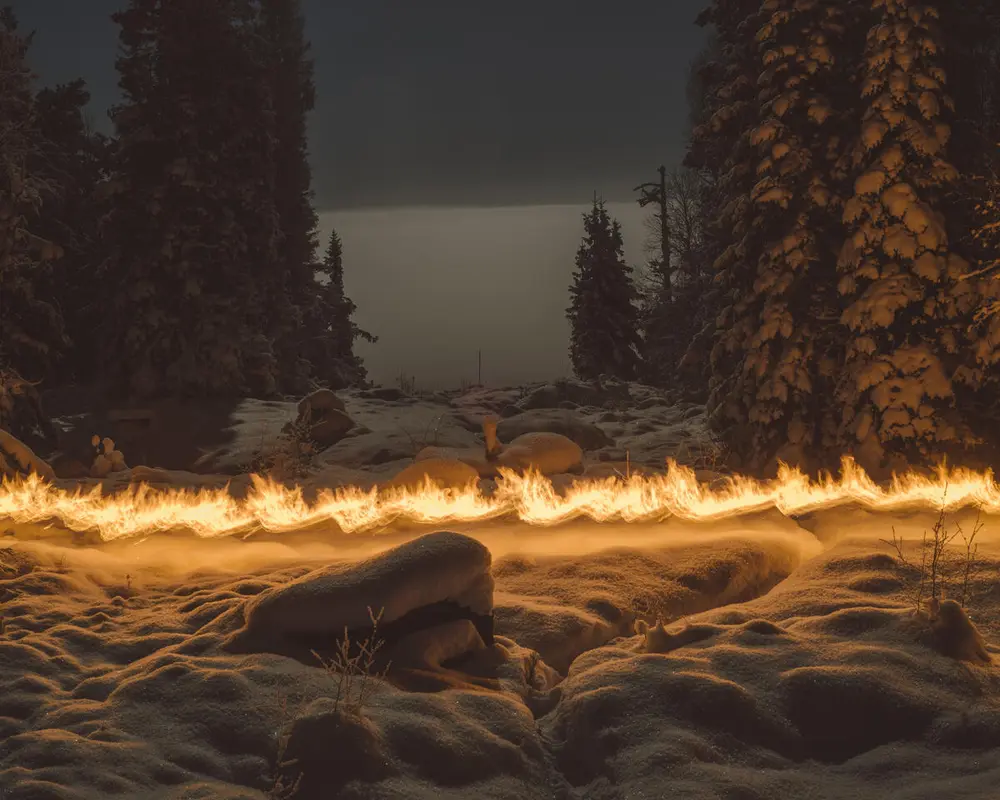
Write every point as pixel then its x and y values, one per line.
pixel 531 498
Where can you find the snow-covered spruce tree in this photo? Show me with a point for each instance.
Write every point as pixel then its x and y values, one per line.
pixel 73 159
pixel 604 338
pixel 907 308
pixel 785 325
pixel 194 230
pixel 31 328
pixel 970 30
pixel 720 150
pixel 333 346
pixel 290 78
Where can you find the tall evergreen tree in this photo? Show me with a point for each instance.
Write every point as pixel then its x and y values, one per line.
pixel 331 318
pixel 908 306
pixel 721 151
pixel 784 323
pixel 194 227
pixel 31 328
pixel 603 317
pixel 74 160
pixel 290 75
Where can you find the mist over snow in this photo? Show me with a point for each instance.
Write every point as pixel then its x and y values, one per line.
pixel 437 284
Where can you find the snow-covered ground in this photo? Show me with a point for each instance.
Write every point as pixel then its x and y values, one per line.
pixel 790 663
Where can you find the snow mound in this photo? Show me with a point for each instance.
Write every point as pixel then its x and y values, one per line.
pixel 830 685
pixel 562 606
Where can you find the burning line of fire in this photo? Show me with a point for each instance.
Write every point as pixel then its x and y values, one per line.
pixel 531 498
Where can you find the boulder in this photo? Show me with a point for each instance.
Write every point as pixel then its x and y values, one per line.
pixel 322 400
pixel 585 434
pixel 583 394
pixel 446 473
pixel 331 428
pixel 321 418
pixel 388 393
pixel 474 457
pixel 429 582
pixel 547 453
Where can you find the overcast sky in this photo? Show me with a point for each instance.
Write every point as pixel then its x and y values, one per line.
pixel 456 103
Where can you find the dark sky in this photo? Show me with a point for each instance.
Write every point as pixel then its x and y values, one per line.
pixel 455 102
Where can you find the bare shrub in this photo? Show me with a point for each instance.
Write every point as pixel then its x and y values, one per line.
pixel 287 459
pixel 943 569
pixel 353 666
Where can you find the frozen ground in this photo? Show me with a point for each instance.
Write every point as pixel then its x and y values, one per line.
pixel 791 663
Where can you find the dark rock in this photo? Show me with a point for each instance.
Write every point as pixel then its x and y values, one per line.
pixel 317 403
pixel 331 428
pixel 384 393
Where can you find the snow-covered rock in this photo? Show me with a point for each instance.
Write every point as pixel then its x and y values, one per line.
pixel 426 582
pixel 566 423
pixel 442 472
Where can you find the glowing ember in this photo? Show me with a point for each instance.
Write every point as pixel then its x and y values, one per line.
pixel 530 498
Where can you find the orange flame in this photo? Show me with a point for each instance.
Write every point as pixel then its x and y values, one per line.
pixel 531 498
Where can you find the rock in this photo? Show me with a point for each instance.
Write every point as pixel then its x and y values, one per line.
pixel 583 394
pixel 368 449
pixel 321 418
pixel 474 457
pixel 315 404
pixel 430 581
pixel 543 397
pixel 547 453
pixel 446 473
pixel 569 405
pixel 331 428
pixel 585 434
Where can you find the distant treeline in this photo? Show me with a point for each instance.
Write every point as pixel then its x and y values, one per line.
pixel 178 256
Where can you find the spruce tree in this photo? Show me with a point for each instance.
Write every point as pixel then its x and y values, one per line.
pixel 194 228
pixel 720 150
pixel 784 323
pixel 290 79
pixel 908 307
pixel 73 160
pixel 31 327
pixel 331 315
pixel 602 315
